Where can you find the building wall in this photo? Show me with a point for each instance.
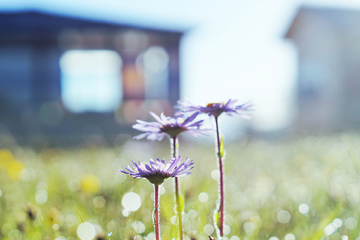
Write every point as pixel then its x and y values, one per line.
pixel 328 80
pixel 32 79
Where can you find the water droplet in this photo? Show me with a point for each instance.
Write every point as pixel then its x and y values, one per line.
pixel 110 234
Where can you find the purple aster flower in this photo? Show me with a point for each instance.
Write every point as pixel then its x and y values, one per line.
pixel 157 171
pixel 169 126
pixel 214 109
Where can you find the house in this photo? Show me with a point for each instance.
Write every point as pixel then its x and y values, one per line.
pixel 328 42
pixel 65 79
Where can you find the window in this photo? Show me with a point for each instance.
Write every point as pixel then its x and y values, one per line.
pixel 91 80
pixel 154 65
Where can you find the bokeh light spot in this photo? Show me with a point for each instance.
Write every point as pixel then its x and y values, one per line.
pixel 215 174
pixel 113 226
pixel 86 231
pixel 290 236
pixel 24 175
pixel 234 238
pixel 99 202
pixel 74 185
pixel 138 226
pixel 329 229
pixel 303 208
pixel 14 234
pixel 42 186
pixel 90 183
pixel 192 213
pixel 208 229
pixel 70 220
pixel 337 222
pixel 249 227
pixel 151 236
pixel 56 226
pixel 126 213
pixel 283 216
pixel 227 229
pixel 131 201
pixel 119 177
pixel 350 223
pixel 203 197
pixel 273 238
pixel 41 198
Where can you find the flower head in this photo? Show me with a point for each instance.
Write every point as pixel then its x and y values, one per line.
pixel 168 126
pixel 157 171
pixel 214 109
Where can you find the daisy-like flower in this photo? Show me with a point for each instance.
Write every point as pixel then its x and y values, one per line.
pixel 168 126
pixel 157 171
pixel 214 109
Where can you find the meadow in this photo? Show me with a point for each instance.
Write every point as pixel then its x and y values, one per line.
pixel 300 188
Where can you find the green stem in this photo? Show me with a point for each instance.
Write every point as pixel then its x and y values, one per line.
pixel 178 211
pixel 221 183
pixel 157 212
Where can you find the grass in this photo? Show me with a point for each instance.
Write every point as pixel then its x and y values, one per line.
pixel 305 188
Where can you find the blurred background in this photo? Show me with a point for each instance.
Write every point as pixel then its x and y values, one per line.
pixel 76 74
pixel 75 70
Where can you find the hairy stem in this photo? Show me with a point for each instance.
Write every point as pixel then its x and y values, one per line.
pixel 178 211
pixel 221 183
pixel 157 212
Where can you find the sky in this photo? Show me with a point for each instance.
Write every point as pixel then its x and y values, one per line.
pixel 230 49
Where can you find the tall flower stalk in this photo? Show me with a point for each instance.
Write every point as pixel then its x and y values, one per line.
pixel 157 172
pixel 178 206
pixel 220 213
pixel 172 127
pixel 215 109
pixel 157 212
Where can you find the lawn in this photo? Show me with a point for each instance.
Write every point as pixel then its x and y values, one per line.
pixel 303 188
